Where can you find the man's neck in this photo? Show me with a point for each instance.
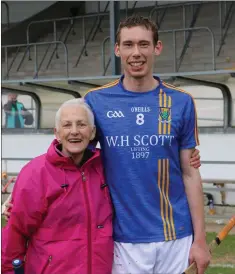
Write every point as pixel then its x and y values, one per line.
pixel 143 84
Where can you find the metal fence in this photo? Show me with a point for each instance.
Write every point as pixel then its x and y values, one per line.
pixel 35 45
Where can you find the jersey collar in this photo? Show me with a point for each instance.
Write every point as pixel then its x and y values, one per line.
pixel 154 90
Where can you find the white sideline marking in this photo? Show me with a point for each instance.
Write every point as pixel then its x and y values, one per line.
pixel 222 265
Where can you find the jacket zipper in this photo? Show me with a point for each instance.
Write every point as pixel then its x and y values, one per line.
pixel 89 250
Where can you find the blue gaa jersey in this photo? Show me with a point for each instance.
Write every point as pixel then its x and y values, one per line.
pixel 141 135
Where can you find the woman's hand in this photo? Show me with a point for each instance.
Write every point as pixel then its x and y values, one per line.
pixel 6 212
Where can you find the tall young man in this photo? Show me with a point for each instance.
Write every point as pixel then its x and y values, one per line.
pixel 148 131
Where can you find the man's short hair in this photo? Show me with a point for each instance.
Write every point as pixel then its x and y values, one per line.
pixel 136 21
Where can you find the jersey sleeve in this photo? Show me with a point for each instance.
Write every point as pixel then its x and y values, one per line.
pixel 87 99
pixel 189 131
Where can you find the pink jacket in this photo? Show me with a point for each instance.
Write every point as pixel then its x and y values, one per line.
pixel 61 218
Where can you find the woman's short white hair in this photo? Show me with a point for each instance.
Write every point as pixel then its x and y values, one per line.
pixel 79 102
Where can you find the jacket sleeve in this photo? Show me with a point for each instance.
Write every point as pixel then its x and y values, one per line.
pixel 7 107
pixel 28 116
pixel 27 213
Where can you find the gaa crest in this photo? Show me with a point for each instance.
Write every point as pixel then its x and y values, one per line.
pixel 164 115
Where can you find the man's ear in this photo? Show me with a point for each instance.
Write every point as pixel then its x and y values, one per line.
pixel 158 48
pixel 117 50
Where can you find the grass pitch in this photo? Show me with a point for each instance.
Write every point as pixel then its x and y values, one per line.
pixel 223 258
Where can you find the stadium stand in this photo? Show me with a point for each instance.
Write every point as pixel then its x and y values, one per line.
pixel 207 46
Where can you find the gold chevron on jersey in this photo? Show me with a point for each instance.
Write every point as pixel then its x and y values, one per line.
pixel 111 84
pixel 165 204
pixel 183 91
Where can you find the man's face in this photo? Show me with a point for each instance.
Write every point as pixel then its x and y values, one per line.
pixel 12 97
pixel 137 51
pixel 74 131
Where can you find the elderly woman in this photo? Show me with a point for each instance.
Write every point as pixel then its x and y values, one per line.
pixel 61 219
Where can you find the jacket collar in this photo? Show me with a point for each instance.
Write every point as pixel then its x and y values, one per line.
pixel 56 157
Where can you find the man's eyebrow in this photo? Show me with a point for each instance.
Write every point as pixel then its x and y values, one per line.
pixel 144 41
pixel 141 41
pixel 127 41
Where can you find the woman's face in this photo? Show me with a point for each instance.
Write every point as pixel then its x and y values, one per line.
pixel 74 131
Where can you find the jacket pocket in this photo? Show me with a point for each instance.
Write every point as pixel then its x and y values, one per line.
pixel 104 187
pixel 38 263
pixel 104 230
pixel 46 268
pixel 103 249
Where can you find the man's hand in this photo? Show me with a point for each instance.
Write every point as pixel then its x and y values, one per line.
pixel 200 254
pixel 6 212
pixel 195 159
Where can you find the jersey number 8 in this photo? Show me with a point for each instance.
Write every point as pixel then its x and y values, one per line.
pixel 140 119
